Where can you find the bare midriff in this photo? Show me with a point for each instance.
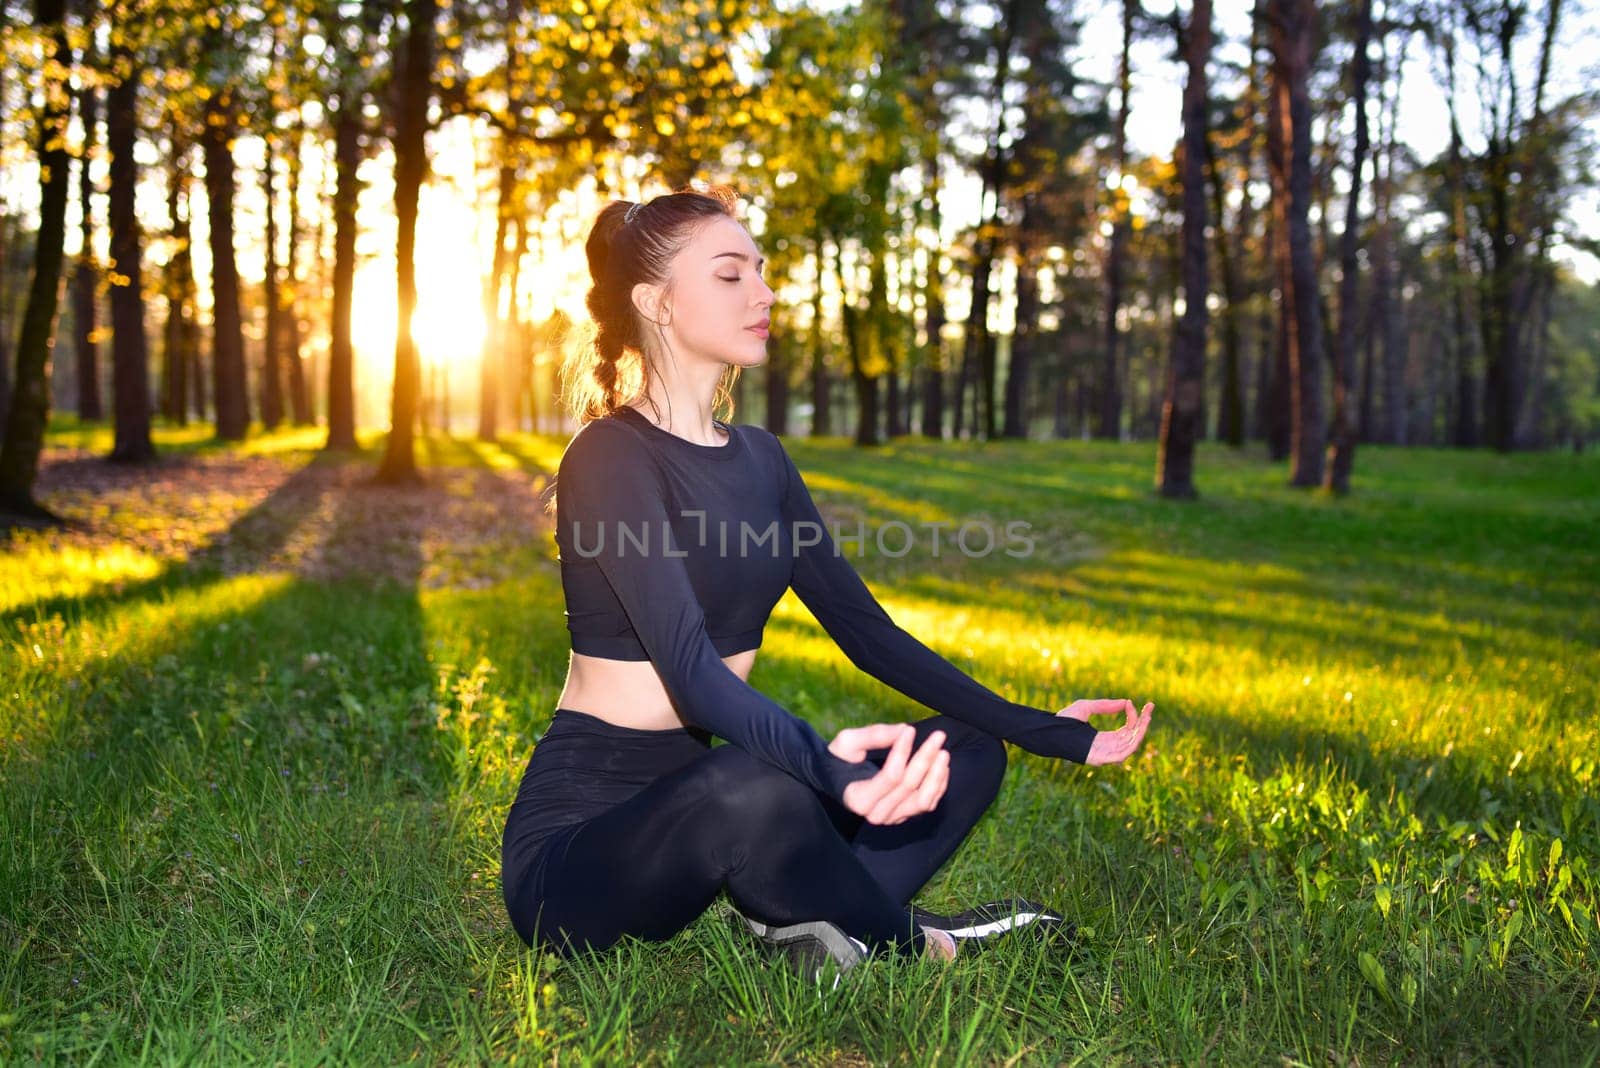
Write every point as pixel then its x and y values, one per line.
pixel 629 693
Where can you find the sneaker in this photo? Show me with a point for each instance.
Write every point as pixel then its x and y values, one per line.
pixel 978 928
pixel 810 946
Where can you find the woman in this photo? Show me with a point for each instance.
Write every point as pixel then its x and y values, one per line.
pixel 678 533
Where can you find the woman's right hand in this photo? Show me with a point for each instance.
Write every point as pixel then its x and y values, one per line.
pixel 907 785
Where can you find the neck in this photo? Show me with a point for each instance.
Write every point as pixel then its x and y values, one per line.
pixel 684 407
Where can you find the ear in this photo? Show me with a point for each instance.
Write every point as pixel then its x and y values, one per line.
pixel 648 299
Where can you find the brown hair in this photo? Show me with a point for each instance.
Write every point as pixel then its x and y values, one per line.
pixel 632 243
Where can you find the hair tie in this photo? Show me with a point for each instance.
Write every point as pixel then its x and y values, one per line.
pixel 632 211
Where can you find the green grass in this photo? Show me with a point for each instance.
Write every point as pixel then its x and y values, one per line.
pixel 250 816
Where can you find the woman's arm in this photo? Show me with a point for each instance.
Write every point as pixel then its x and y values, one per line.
pixel 831 588
pixel 606 479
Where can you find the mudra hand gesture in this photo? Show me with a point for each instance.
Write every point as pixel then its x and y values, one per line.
pixel 907 785
pixel 1111 747
pixel 910 783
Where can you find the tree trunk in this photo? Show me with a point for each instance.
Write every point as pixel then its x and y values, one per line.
pixel 899 340
pixel 975 339
pixel 271 371
pixel 489 385
pixel 519 352
pixel 1529 322
pixel 415 85
pixel 1342 447
pixel 933 382
pixel 1530 422
pixel 5 319
pixel 1368 365
pixel 1294 38
pixel 1465 432
pixel 87 277
pixel 229 380
pixel 1273 399
pixel 1110 425
pixel 1396 352
pixel 130 353
pixel 980 346
pixel 1230 414
pixel 1181 426
pixel 29 412
pixel 176 354
pixel 821 397
pixel 865 385
pixel 299 396
pixel 1019 371
pixel 347 128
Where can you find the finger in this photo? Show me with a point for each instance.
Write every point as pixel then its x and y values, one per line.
pixel 1144 726
pixel 899 752
pixel 845 747
pixel 894 788
pixel 1141 724
pixel 879 735
pixel 892 803
pixel 933 784
pixel 881 784
pixel 1128 740
pixel 941 782
pixel 923 763
pixel 927 795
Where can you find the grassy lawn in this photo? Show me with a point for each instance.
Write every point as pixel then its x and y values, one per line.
pixel 260 725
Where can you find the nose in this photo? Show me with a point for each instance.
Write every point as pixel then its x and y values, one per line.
pixel 765 297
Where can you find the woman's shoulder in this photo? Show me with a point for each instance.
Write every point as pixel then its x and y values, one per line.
pixel 768 447
pixel 607 438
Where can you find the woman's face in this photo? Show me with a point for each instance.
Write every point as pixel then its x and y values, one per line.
pixel 716 306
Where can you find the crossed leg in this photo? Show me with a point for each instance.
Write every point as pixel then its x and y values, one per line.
pixel 651 865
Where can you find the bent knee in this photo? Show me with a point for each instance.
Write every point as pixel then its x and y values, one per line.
pixel 974 753
pixel 743 790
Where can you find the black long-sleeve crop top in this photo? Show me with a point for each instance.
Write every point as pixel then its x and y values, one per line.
pixel 743 528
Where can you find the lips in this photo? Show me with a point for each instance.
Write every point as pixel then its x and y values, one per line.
pixel 761 328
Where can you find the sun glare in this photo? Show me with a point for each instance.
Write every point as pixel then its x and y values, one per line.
pixel 448 322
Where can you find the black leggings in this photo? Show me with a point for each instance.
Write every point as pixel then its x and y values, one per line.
pixel 648 865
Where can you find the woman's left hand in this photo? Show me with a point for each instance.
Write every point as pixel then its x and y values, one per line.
pixel 1111 747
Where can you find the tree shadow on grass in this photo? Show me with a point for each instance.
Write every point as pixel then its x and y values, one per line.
pixel 1230 947
pixel 1464 785
pixel 247 543
pixel 324 679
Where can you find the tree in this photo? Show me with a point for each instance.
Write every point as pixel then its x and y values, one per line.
pixel 229 382
pixel 1110 424
pixel 413 86
pixel 272 341
pixel 1051 191
pixel 1341 449
pixel 29 411
pixel 1294 40
pixel 1181 425
pixel 86 277
pixel 180 348
pixel 130 353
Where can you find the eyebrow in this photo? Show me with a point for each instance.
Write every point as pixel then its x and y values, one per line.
pixel 760 261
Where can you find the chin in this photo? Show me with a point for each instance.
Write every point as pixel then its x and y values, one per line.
pixel 748 359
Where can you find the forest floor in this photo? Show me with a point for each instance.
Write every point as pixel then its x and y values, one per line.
pixel 260 724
